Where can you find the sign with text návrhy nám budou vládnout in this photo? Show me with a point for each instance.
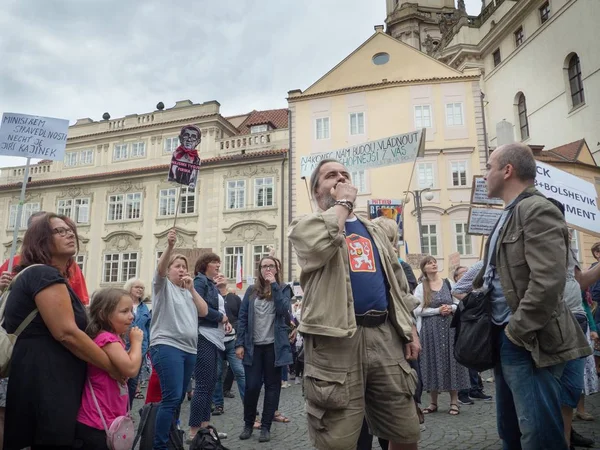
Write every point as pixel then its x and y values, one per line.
pixel 399 149
pixel 33 136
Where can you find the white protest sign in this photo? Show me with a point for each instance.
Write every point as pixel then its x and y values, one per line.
pixel 399 149
pixel 578 196
pixel 483 220
pixel 33 136
pixel 479 194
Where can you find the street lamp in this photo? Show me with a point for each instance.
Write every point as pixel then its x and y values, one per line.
pixel 416 194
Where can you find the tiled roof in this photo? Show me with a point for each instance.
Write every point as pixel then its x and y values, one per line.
pixel 277 118
pixel 382 84
pixel 570 151
pixel 249 156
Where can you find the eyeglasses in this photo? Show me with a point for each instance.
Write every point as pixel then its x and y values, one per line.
pixel 268 267
pixel 62 232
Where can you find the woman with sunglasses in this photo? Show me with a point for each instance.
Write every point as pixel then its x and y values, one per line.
pixel 263 344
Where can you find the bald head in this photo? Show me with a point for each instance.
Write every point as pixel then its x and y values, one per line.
pixel 520 157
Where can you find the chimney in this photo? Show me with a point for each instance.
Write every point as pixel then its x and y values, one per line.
pixel 379 28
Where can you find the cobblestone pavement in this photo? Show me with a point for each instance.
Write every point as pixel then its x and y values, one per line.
pixel 474 428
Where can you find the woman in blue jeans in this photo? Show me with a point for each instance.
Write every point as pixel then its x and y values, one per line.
pixel 174 335
pixel 263 344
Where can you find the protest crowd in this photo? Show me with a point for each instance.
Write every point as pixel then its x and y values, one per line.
pixel 367 337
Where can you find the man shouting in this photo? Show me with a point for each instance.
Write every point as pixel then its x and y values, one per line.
pixel 357 321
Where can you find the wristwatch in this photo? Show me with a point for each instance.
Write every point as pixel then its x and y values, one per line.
pixel 346 204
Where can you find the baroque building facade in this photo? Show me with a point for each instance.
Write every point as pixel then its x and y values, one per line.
pixel 113 184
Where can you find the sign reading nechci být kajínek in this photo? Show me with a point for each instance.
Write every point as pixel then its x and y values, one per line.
pixel 577 195
pixel 399 149
pixel 33 136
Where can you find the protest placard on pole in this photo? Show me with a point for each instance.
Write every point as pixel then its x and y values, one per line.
pixel 579 197
pixel 482 220
pixel 390 208
pixel 479 194
pixel 453 262
pixel 185 161
pixel 414 259
pixel 399 149
pixel 30 137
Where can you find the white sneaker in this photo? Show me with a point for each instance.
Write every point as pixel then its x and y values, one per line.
pixel 298 380
pixel 422 427
pixel 222 435
pixel 285 385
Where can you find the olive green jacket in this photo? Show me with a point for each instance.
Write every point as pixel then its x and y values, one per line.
pixel 531 260
pixel 328 305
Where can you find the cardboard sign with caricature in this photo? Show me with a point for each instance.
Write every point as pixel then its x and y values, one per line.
pixel 185 161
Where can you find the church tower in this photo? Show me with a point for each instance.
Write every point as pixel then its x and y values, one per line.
pixel 422 23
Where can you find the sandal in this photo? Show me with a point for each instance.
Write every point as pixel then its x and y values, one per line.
pixel 281 418
pixel 454 409
pixel 139 395
pixel 430 410
pixel 584 416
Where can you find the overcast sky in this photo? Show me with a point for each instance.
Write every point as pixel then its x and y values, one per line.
pixel 80 58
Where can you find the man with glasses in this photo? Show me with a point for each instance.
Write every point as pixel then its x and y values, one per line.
pixel 357 322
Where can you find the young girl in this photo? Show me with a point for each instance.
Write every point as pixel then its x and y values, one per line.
pixel 111 314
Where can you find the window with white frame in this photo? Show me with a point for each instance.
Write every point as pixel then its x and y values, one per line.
pixel 187 203
pixel 120 267
pixel 259 128
pixel 459 173
pixel 171 144
pixel 120 152
pixel 264 192
pixel 429 239
pixel 167 199
pixel 71 159
pixel 236 194
pixel 258 252
pixel 79 158
pixel 80 261
pixel 357 123
pixel 422 116
pixel 86 157
pixel 231 255
pixel 464 244
pixel 454 114
pixel 125 206
pixel 322 128
pixel 359 179
pixel 77 209
pixel 28 210
pixel 425 176
pixel 138 149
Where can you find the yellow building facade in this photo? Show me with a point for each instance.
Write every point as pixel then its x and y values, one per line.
pixel 385 88
pixel 113 184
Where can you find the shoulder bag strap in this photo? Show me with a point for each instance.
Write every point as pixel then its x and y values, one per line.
pixel 4 298
pixel 98 406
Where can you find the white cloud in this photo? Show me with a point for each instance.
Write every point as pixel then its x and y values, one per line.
pixel 80 58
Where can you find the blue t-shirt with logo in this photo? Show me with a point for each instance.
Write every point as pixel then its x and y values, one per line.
pixel 369 284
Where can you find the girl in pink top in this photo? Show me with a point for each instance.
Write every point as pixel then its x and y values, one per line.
pixel 111 314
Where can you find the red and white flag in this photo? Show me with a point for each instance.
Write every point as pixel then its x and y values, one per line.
pixel 239 279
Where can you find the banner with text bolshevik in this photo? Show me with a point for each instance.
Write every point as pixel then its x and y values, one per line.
pixel 33 136
pixel 578 196
pixel 403 148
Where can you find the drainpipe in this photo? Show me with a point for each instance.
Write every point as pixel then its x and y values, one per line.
pixel 282 208
pixel 290 212
pixel 485 141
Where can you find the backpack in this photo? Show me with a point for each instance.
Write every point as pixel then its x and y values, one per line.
pixel 8 340
pixel 120 434
pixel 207 439
pixel 145 432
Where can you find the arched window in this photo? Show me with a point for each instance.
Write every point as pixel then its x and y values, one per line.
pixel 523 123
pixel 575 82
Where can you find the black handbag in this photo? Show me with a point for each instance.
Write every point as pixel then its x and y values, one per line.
pixel 474 335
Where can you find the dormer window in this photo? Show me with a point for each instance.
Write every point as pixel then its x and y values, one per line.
pixel 259 128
